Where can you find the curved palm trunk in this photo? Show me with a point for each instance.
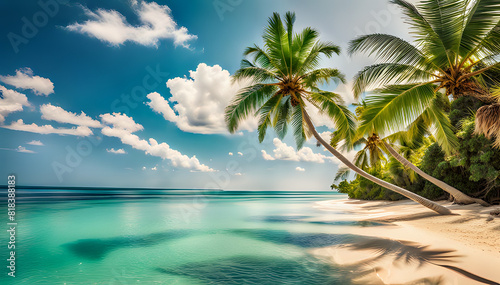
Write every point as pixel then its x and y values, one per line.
pixel 419 199
pixel 459 196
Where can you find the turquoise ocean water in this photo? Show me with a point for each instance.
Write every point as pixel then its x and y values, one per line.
pixel 112 236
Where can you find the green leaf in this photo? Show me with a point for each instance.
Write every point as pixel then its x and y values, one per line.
pixel 394 107
pixel 330 104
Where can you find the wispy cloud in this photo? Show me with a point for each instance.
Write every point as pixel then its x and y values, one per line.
pixel 19 125
pixel 58 114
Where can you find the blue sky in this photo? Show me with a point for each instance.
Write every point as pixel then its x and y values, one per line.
pixel 152 79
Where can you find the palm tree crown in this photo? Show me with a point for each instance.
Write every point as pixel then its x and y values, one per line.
pixel 456 42
pixel 284 75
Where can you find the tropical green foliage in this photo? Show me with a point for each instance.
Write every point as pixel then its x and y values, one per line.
pixel 364 189
pixel 473 169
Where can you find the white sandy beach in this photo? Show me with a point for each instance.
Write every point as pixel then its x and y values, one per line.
pixel 473 242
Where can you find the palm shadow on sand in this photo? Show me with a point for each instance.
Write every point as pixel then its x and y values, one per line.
pixel 405 251
pixel 411 252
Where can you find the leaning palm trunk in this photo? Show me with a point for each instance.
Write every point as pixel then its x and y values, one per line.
pixel 459 196
pixel 419 199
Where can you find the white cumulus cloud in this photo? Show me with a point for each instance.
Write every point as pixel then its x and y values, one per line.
pixel 11 101
pixel 23 149
pixel 122 127
pixel 326 135
pixel 300 169
pixel 282 151
pixel 24 79
pixel 198 103
pixel 112 27
pixel 267 156
pixel 116 151
pixel 19 125
pixel 35 142
pixel 58 114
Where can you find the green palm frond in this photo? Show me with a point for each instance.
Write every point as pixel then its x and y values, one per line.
pixel 482 19
pixel 384 73
pixel 289 21
pixel 257 74
pixel 413 135
pixel 322 76
pixel 490 45
pixel 361 159
pixel 302 46
pixel 395 106
pixel 342 173
pixel 266 111
pixel 423 31
pixel 282 117
pixel 312 60
pixel 443 130
pixel 387 48
pixel 262 59
pixel 329 104
pixel 246 102
pixel 446 19
pixel 359 142
pixel 300 131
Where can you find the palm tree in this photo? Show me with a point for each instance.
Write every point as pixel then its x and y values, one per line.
pixel 372 154
pixel 456 43
pixel 375 146
pixel 284 77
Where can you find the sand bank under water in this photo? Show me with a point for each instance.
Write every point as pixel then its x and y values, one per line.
pixel 418 246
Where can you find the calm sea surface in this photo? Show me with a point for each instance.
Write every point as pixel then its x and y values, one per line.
pixel 96 236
